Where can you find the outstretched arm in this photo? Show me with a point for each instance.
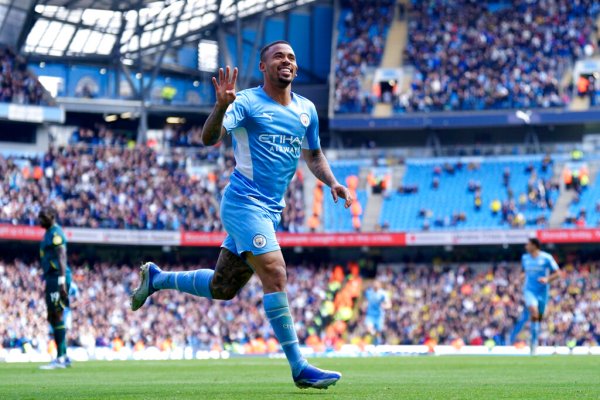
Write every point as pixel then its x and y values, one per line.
pixel 318 165
pixel 213 130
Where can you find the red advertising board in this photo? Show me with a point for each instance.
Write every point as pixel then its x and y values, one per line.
pixel 383 239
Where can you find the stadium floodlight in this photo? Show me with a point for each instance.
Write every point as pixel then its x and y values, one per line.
pixel 111 118
pixel 175 120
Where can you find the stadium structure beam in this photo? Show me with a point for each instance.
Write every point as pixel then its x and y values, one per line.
pixel 158 60
pixel 116 52
pixel 78 26
pixel 27 26
pixel 257 40
pixel 143 120
pixel 220 21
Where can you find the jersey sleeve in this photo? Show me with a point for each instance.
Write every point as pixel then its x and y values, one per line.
pixel 311 139
pixel 58 238
pixel 552 263
pixel 236 112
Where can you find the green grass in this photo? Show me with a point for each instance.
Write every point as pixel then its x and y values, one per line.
pixel 552 377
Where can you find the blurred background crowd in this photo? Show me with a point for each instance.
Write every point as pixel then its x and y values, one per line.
pixel 430 304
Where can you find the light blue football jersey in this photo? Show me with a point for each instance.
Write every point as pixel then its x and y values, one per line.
pixel 375 300
pixel 267 141
pixel 536 268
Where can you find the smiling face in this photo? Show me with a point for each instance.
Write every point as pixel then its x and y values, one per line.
pixel 279 65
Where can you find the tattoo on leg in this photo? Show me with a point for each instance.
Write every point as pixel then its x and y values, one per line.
pixel 231 274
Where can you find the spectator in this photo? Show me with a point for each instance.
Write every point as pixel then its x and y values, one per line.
pixel 470 58
pixel 17 83
pixel 438 304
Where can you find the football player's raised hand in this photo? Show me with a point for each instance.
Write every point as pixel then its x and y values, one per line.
pixel 225 86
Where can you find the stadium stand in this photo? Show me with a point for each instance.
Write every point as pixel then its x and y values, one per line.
pixel 472 193
pixel 17 84
pixel 468 304
pixel 335 217
pixel 470 56
pixel 123 187
pixel 584 210
pixel 362 31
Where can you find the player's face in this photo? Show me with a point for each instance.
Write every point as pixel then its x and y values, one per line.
pixel 530 248
pixel 280 65
pixel 45 220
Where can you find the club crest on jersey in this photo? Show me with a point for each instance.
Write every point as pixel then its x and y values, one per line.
pixel 259 241
pixel 304 119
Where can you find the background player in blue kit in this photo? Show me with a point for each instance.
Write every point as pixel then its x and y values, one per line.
pixel 271 127
pixel 540 270
pixel 377 302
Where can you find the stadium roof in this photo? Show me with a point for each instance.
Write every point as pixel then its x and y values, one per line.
pixel 80 28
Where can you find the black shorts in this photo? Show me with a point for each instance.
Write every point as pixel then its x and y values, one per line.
pixel 54 301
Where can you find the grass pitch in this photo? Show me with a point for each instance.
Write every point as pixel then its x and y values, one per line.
pixel 495 377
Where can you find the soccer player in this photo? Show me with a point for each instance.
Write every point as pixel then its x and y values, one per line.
pixel 377 303
pixel 57 275
pixel 271 127
pixel 540 270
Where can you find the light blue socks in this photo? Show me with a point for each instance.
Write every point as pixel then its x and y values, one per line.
pixel 535 330
pixel 193 282
pixel 278 312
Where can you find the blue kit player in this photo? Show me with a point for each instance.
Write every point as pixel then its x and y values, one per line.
pixel 540 270
pixel 270 127
pixel 377 302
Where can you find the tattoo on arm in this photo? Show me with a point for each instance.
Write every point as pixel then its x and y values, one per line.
pixel 212 131
pixel 319 166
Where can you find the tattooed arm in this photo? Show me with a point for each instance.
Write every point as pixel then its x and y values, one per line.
pixel 213 130
pixel 319 166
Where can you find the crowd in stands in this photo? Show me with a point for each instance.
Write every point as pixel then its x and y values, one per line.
pixel 100 135
pixel 470 58
pixel 183 136
pixel 473 194
pixel 471 55
pixel 17 84
pixel 362 34
pixel 124 188
pixel 472 306
pixel 430 304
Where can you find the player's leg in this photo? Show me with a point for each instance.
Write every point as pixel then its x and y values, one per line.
pixel 532 304
pixel 230 275
pixel 523 318
pixel 54 306
pixel 541 308
pixel 270 268
pixel 255 239
pixel 379 323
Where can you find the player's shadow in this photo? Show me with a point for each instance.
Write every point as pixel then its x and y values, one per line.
pixel 312 393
